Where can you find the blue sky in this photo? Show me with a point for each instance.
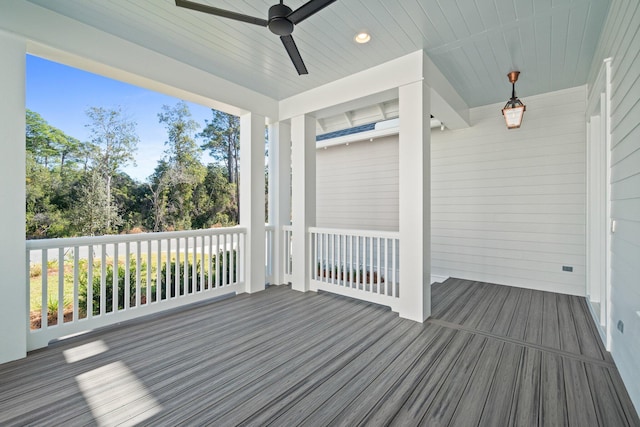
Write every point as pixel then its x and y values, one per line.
pixel 62 94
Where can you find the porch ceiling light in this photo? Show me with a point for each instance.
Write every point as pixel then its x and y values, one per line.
pixel 362 37
pixel 514 109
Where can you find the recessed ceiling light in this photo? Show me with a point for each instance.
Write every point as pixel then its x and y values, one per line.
pixel 362 37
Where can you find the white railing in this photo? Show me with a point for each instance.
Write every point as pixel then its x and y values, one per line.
pixel 269 235
pixel 287 259
pixel 357 263
pixel 78 284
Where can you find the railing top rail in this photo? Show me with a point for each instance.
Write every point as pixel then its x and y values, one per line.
pixel 287 227
pixel 123 238
pixel 360 233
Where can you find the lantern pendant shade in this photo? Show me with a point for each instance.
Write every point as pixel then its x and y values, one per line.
pixel 514 109
pixel 513 115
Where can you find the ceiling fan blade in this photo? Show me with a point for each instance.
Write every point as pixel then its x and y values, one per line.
pixel 221 12
pixel 308 9
pixel 294 54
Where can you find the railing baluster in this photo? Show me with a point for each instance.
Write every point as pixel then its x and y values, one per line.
pixel 325 256
pixel 76 283
pixel 217 261
pixel 385 284
pixel 358 268
pixel 103 279
pixel 393 270
pixel 194 274
pixel 210 263
pixel 225 276
pixel 89 307
pixel 167 270
pixel 185 267
pixel 159 271
pixel 148 293
pixel 177 282
pixel 60 313
pixel 138 273
pixel 116 280
pixel 202 265
pixel 45 291
pixel 237 270
pixel 378 270
pixel 127 276
pixel 338 258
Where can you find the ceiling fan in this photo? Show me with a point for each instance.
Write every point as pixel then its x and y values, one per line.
pixel 282 20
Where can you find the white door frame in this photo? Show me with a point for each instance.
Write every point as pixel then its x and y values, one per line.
pixel 599 223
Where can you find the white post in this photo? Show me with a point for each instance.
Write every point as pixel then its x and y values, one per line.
pixel 14 281
pixel 415 201
pixel 303 208
pixel 252 198
pixel 279 192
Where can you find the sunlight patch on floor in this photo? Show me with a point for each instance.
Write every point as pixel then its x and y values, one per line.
pixel 84 351
pixel 115 395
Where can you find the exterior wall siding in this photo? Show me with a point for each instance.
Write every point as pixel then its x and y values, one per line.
pixel 357 185
pixel 508 206
pixel 620 40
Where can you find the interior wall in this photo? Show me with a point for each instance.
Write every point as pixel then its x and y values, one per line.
pixel 508 206
pixel 620 40
pixel 357 185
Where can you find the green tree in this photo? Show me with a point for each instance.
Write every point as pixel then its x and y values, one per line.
pixel 95 213
pixel 214 201
pixel 181 171
pixel 44 219
pixel 51 178
pixel 115 140
pixel 50 146
pixel 222 139
pixel 39 138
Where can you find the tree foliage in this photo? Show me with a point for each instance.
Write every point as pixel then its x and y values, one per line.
pixel 222 139
pixel 77 187
pixel 113 142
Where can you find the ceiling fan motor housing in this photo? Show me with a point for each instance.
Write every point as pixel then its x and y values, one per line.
pixel 278 22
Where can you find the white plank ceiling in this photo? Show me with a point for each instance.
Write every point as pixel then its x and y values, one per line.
pixel 475 43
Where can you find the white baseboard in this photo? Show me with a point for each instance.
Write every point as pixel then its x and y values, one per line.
pixel 438 279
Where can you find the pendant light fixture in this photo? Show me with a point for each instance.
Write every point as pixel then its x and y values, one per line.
pixel 514 109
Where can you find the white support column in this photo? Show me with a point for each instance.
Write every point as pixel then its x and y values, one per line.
pixel 303 208
pixel 252 198
pixel 13 272
pixel 415 201
pixel 279 191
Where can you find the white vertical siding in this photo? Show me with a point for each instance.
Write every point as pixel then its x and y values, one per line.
pixel 508 206
pixel 620 40
pixel 357 185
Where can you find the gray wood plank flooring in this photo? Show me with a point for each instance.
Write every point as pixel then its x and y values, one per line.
pixel 490 356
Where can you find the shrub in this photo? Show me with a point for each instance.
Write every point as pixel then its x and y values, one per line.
pixel 83 293
pixel 35 270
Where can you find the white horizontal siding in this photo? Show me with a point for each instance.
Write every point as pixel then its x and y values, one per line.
pixel 357 185
pixel 620 40
pixel 508 206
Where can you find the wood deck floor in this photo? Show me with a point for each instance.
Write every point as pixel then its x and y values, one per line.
pixel 491 355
